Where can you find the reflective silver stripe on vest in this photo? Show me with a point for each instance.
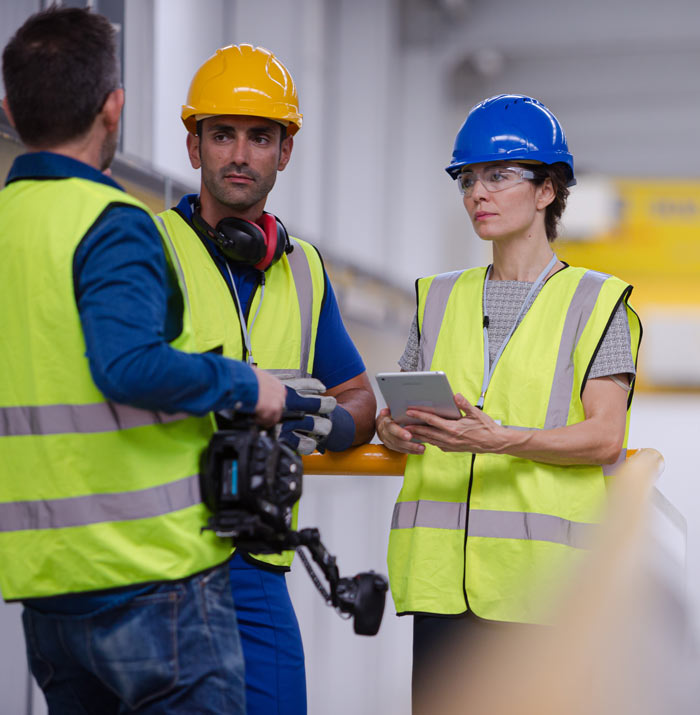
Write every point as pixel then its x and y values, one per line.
pixel 301 271
pixel 435 306
pixel 78 419
pixel 433 514
pixel 580 309
pixel 178 267
pixel 493 524
pixel 530 526
pixel 100 508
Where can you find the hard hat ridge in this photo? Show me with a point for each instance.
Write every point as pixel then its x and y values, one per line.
pixel 242 79
pixel 510 127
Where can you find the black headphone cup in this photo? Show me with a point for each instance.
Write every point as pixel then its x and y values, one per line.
pixel 244 241
pixel 284 245
pixel 241 240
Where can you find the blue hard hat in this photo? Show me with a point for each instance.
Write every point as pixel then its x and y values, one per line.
pixel 510 126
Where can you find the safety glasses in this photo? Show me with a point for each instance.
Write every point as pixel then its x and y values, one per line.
pixel 493 178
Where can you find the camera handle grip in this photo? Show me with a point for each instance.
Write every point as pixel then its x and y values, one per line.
pixel 360 597
pixel 311 538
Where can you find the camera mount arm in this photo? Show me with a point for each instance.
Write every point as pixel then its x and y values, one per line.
pixel 362 595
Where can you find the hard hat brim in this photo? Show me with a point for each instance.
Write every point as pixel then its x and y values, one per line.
pixel 457 165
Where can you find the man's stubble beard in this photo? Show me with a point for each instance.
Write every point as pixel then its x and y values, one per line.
pixel 108 149
pixel 230 196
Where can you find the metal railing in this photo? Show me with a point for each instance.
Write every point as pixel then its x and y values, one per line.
pixel 368 460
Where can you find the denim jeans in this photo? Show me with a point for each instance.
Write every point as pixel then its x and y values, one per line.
pixel 174 649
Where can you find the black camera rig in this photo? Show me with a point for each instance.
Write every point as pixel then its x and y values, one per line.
pixel 251 481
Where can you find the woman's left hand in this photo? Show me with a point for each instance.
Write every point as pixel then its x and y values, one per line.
pixel 474 432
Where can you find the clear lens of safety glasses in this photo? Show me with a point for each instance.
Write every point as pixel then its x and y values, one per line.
pixel 494 178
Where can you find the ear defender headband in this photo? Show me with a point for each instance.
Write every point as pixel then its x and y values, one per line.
pixel 246 242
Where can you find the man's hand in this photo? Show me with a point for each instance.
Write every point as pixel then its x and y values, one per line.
pixel 305 396
pixel 271 398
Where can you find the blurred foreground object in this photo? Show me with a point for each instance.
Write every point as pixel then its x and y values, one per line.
pixel 620 643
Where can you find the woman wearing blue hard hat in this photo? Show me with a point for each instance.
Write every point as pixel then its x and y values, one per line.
pixel 497 506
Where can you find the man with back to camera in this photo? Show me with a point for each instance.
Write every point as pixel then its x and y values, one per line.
pixel 105 408
pixel 270 296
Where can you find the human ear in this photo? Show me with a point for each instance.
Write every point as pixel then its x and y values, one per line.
pixel 544 194
pixel 285 153
pixel 8 113
pixel 193 150
pixel 112 109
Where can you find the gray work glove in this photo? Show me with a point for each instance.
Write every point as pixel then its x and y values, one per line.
pixel 314 424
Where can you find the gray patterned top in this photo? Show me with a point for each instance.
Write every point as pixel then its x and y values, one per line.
pixel 502 302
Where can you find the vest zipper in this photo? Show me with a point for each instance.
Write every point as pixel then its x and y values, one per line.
pixel 466 531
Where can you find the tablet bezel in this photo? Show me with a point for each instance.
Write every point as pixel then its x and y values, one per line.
pixel 427 391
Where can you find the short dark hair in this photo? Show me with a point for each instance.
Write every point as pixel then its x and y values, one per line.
pixel 559 175
pixel 59 69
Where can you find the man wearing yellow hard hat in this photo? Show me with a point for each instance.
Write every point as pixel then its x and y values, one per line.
pixel 263 297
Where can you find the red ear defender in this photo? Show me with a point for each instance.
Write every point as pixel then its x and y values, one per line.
pixel 276 241
pixel 245 242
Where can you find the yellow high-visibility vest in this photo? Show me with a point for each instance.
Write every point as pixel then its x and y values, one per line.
pixel 93 494
pixel 282 323
pixel 492 533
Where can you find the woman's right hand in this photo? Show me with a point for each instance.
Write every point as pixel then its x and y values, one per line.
pixel 396 437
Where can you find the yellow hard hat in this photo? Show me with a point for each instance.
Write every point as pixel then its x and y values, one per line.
pixel 242 79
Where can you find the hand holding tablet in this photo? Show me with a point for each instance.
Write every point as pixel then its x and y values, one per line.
pixel 427 391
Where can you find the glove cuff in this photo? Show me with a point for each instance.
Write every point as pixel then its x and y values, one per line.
pixel 342 433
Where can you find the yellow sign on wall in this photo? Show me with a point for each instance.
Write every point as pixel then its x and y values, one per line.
pixel 654 244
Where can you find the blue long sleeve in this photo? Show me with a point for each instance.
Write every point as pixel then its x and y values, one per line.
pixel 130 308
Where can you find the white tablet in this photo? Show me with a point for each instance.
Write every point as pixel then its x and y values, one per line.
pixel 428 391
